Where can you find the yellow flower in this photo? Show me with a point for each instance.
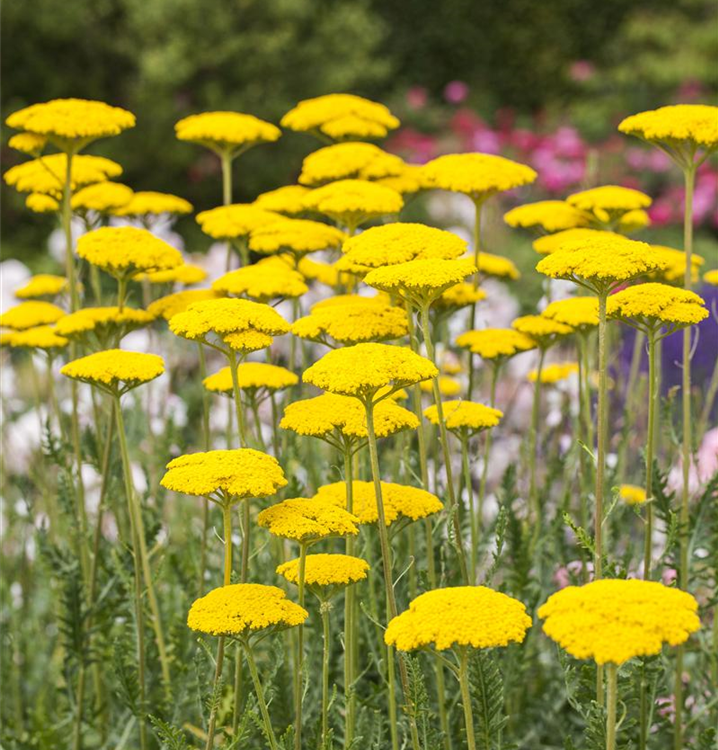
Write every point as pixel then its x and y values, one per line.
pixel 473 616
pixel 401 503
pixel 553 242
pixel 28 143
pixel 352 202
pixel 551 216
pixel 554 373
pixel 40 203
pixel 407 182
pixel 497 266
pixel 30 314
pixel 608 202
pixel 307 521
pixel 115 369
pixel 226 475
pixel 149 203
pixel 476 175
pixel 465 416
pixel 351 300
pixel 325 415
pixel 695 124
pixel 324 273
pixel 711 277
pixel 362 369
pixel 651 306
pixel 167 307
pixel 342 161
pixel 47 174
pixel 40 337
pixel 237 220
pixel 295 236
pixel 613 620
pixel 601 263
pixel 288 200
pixel 420 281
pixel 101 197
pixel 632 221
pixel 544 331
pixel 231 132
pixel 341 116
pixel 123 252
pixel 399 242
pixel 252 376
pixel 580 313
pixel 103 322
pixel 72 121
pixel 448 386
pixel 356 324
pixel 186 274
pixel 243 608
pixel 458 296
pixel 675 271
pixel 495 343
pixel 632 494
pixel 326 570
pixel 241 324
pixel 262 282
pixel 42 285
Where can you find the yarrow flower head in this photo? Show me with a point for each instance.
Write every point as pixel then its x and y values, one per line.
pixel 102 324
pixel 398 242
pixel 287 200
pixel 476 175
pixel 235 221
pixel 39 337
pixel 356 324
pixel 631 494
pixel 254 377
pixel 581 313
pixel 544 331
pixel 149 203
pixel 341 116
pixel 363 369
pixel 329 415
pixel 420 281
pixel 31 144
pixel 465 417
pixel 72 123
pixel 497 267
pixel 407 182
pixel 226 475
pixel 186 274
pixel 342 161
pixel 167 307
pixel 102 197
pixel 262 282
pixel 601 263
pixel 352 202
pixel 473 616
pixel 401 502
pixel 295 237
pixel 614 620
pixel 554 373
pixel 653 306
pixel 679 125
pixel 448 386
pixel 458 296
pixel 609 203
pixel 675 270
pixel 47 175
pixel 495 343
pixel 226 132
pixel 40 203
pixel 124 252
pixel 30 314
pixel 242 609
pixel 307 521
pixel 115 370
pixel 324 571
pixel 550 216
pixel 553 242
pixel 711 277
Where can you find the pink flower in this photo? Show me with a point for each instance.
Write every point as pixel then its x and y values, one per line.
pixel 581 70
pixel 456 92
pixel 669 576
pixel 417 97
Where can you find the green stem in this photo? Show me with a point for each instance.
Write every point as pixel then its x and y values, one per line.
pixel 207 441
pixel 466 700
pixel 533 442
pixel 453 505
pixel 496 367
pixel 121 293
pixel 300 653
pixel 349 615
pixel 478 205
pixel 471 504
pixel 611 705
pixel 233 364
pixel 602 429
pixel 260 697
pixel 652 402
pixel 67 228
pixel 638 346
pixel 226 160
pixel 325 674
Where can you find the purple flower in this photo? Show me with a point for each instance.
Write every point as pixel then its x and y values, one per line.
pixel 456 92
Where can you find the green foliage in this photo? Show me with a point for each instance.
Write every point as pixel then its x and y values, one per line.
pixel 487 699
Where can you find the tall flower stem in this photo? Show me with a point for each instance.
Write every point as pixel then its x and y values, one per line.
pixel 349 614
pixel 135 514
pixel 630 401
pixel 466 699
pixel 689 174
pixel 387 567
pixel 611 705
pixel 454 506
pixel 650 437
pixel 67 229
pixel 226 160
pixel 487 446
pixel 206 442
pixel 471 504
pixel 478 206
pixel 533 442
pixel 325 609
pixel 298 681
pixel 260 697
